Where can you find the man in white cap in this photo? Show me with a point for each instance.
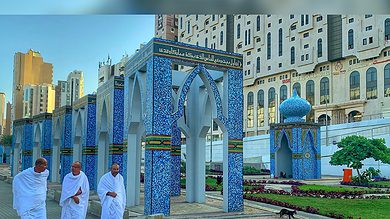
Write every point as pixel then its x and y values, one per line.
pixel 74 194
pixel 112 194
pixel 29 188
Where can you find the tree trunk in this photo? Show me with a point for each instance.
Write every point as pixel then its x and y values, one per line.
pixel 360 176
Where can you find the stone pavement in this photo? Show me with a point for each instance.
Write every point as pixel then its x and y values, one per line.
pixel 6 210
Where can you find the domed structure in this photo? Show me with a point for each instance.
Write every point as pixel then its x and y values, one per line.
pixel 294 108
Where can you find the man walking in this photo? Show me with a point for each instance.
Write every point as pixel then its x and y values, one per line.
pixel 112 194
pixel 29 188
pixel 74 194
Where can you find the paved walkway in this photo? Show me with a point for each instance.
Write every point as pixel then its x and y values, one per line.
pixel 6 210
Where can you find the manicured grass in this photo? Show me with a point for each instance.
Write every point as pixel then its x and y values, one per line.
pixel 382 183
pixel 209 181
pixel 364 208
pixel 332 188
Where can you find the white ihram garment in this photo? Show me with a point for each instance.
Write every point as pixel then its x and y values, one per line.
pixel 70 186
pixel 29 189
pixel 112 208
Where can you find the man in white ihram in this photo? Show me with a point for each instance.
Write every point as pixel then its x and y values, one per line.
pixel 111 191
pixel 74 194
pixel 29 189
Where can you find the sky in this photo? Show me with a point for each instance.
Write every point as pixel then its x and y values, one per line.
pixel 71 42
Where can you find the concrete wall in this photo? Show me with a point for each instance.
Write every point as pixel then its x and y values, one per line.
pixel 258 146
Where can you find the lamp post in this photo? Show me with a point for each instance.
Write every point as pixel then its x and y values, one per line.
pixel 326 120
pixel 276 107
pixel 211 138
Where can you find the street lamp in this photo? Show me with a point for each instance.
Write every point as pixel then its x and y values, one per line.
pixel 276 108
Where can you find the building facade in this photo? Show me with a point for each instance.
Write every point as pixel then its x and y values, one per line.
pixel 29 68
pixel 166 27
pixel 62 94
pixel 75 86
pixel 2 108
pixel 8 126
pixel 339 63
pixel 107 70
pixel 38 99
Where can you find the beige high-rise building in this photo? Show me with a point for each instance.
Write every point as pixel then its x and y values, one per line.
pixel 166 27
pixel 339 63
pixel 107 70
pixel 2 108
pixel 8 120
pixel 30 69
pixel 75 86
pixel 38 99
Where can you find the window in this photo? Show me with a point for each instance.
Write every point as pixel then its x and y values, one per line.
pixel 283 96
pixel 280 21
pixel 181 22
pixel 246 37
pixel 368 15
pixel 324 90
pixel 310 92
pixel 271 105
pixel 260 108
pixel 365 41
pixel 302 58
pixel 350 20
pixel 371 83
pixel 291 16
pixel 238 31
pixel 221 39
pixel 292 55
pixel 258 64
pixel 307 56
pixel 250 113
pixel 307 19
pixel 292 38
pixel 319 30
pixel 293 27
pixel 258 23
pixel 249 36
pixel 258 39
pixel 306 46
pixel 280 42
pixel 269 24
pixel 188 27
pixel 370 40
pixel 269 46
pixel 297 87
pixel 354 86
pixel 350 39
pixel 319 18
pixel 319 47
pixel 205 42
pixel 302 19
pixel 387 81
pixel 305 35
pixel 387 29
pixel 368 28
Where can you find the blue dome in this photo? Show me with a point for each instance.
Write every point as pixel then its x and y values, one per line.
pixel 294 108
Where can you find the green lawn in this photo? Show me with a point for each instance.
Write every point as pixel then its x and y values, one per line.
pixel 332 188
pixel 374 208
pixel 209 181
pixel 382 183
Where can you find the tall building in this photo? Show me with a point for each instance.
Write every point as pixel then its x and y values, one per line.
pixel 2 108
pixel 29 68
pixel 8 127
pixel 62 94
pixel 38 99
pixel 166 27
pixel 75 86
pixel 107 70
pixel 339 63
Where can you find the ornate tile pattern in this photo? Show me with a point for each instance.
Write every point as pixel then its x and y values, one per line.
pixel 158 136
pixel 306 154
pixel 175 160
pixel 89 154
pixel 234 127
pixel 66 146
